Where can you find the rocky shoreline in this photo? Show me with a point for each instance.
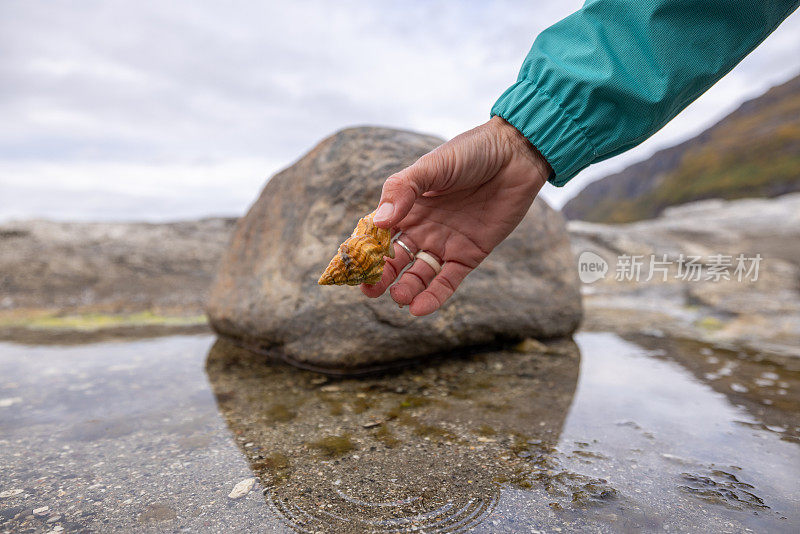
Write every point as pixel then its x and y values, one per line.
pixel 69 282
pixel 77 282
pixel 760 315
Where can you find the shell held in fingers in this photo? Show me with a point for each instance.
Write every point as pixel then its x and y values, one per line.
pixel 360 259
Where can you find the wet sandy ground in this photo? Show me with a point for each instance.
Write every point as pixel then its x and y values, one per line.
pixel 607 434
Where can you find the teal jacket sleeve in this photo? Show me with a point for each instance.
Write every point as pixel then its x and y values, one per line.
pixel 607 77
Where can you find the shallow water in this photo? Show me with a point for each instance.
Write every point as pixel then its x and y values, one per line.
pixel 604 435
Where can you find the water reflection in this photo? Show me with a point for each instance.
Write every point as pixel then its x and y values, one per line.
pixel 766 388
pixel 128 436
pixel 427 448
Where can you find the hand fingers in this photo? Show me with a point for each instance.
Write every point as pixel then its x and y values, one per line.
pixel 391 269
pixel 412 282
pixel 440 288
pixel 401 190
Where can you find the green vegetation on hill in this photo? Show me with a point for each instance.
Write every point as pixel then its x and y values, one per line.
pixel 753 152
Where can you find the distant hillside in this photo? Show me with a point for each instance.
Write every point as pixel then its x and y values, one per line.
pixel 753 152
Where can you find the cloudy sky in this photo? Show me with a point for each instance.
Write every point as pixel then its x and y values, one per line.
pixel 166 110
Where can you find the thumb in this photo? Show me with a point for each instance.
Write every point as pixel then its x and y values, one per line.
pixel 402 189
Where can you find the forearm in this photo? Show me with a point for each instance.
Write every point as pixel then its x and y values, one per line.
pixel 607 77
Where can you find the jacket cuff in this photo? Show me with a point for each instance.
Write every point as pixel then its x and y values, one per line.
pixel 540 118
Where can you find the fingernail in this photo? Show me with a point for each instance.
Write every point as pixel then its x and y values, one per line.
pixel 384 212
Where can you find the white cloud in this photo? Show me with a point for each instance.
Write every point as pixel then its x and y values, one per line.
pixel 181 109
pixel 124 191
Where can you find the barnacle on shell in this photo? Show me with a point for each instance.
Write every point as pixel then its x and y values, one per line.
pixel 360 258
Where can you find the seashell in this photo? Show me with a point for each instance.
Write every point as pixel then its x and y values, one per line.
pixel 360 258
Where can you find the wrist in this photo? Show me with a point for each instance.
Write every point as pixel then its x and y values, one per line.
pixel 519 146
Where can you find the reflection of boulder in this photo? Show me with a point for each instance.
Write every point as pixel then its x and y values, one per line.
pixel 427 448
pixel 266 293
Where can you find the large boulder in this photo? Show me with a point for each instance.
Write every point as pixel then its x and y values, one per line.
pixel 266 294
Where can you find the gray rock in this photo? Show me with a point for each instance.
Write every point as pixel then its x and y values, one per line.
pixel 107 267
pixel 242 488
pixel 266 294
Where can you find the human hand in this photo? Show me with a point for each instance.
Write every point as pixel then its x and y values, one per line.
pixel 457 203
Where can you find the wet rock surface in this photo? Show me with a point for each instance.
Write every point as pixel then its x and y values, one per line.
pixel 266 294
pixel 607 435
